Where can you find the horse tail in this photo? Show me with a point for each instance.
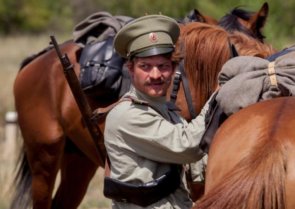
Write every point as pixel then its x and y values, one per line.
pixel 257 181
pixel 23 179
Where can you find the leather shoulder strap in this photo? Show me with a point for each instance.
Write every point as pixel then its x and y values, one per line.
pixel 104 111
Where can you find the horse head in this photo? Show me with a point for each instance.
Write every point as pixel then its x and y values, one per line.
pixel 205 49
pixel 248 22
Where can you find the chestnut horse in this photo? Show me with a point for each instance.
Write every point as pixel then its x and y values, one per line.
pixel 55 137
pixel 251 160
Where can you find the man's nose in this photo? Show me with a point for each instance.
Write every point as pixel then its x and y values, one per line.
pixel 155 73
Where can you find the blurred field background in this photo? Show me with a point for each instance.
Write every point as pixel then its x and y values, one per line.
pixel 25 27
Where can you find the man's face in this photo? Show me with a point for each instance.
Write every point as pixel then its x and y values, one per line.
pixel 152 75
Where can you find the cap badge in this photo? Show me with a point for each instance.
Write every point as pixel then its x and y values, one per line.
pixel 153 37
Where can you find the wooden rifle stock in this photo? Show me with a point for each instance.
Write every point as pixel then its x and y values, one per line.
pixel 80 98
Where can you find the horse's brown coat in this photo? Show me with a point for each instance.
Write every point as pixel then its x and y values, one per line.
pixel 251 159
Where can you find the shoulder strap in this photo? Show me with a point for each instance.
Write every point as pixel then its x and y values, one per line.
pixel 170 106
pixel 187 91
pixel 104 111
pixel 100 113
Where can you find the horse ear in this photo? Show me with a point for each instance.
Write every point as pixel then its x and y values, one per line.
pixel 257 22
pixel 196 16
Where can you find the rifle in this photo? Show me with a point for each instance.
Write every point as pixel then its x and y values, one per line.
pixel 80 98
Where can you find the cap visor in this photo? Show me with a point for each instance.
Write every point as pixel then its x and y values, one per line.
pixel 154 51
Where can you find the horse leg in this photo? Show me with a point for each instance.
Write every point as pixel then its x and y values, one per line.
pixel 76 172
pixel 44 160
pixel 44 143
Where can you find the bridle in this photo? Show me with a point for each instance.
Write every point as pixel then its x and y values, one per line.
pixel 180 76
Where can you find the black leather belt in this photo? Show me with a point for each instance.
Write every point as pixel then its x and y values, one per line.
pixel 144 194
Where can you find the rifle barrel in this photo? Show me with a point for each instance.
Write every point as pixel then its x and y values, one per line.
pixel 80 98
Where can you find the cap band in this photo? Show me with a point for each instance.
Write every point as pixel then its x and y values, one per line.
pixel 152 51
pixel 150 40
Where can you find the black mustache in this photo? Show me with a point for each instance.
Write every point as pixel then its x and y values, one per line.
pixel 159 82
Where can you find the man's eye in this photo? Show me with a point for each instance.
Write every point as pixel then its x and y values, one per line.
pixel 164 67
pixel 144 66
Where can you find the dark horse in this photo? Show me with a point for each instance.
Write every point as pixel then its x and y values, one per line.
pixel 250 23
pixel 55 137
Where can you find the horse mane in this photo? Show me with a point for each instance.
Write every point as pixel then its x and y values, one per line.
pixel 206 48
pixel 32 57
pixel 259 176
pixel 249 46
pixel 230 22
pixel 208 44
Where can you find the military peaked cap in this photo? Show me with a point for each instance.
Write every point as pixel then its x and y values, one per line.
pixel 147 36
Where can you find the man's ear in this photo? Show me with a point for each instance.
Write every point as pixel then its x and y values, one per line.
pixel 130 67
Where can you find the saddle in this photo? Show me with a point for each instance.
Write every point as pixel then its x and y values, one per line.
pixel 102 72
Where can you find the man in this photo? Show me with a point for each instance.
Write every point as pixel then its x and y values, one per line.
pixel 146 139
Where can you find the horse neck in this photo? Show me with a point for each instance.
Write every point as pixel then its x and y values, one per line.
pixel 248 46
pixel 205 48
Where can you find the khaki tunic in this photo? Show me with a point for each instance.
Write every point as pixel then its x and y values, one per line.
pixel 141 144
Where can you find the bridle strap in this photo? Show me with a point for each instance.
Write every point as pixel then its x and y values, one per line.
pixel 181 76
pixel 175 87
pixel 233 50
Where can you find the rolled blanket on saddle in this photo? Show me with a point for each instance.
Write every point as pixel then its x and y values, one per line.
pixel 246 80
pixel 98 27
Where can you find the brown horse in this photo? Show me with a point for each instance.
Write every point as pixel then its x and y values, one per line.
pixel 238 19
pixel 250 23
pixel 251 159
pixel 197 60
pixel 54 135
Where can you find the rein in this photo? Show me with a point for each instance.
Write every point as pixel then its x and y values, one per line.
pixel 181 76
